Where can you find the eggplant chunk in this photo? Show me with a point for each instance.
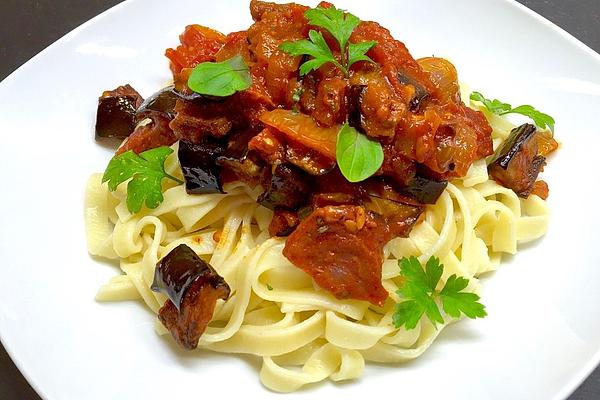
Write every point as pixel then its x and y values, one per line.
pixel 400 217
pixel 420 95
pixel 115 116
pixel 424 190
pixel 238 163
pixel 290 188
pixel 193 287
pixel 198 164
pixel 176 272
pixel 419 190
pixel 283 223
pixel 517 162
pixel 355 96
pixel 308 159
pixel 164 101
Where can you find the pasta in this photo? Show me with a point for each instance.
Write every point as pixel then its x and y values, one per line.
pixel 275 311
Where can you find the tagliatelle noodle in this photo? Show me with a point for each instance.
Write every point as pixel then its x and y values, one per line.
pixel 275 311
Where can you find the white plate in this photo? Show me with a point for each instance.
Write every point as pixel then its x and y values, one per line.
pixel 542 334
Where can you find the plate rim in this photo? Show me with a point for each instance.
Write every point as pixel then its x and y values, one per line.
pixel 568 389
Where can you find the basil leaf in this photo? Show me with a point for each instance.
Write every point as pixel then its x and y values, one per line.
pixel 358 157
pixel 220 79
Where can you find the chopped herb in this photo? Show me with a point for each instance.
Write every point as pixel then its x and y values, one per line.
pixel 146 171
pixel 220 78
pixel 296 98
pixel 421 296
pixel 269 287
pixel 340 25
pixel 499 108
pixel 358 157
pixel 297 94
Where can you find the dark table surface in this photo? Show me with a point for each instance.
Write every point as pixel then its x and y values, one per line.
pixel 38 23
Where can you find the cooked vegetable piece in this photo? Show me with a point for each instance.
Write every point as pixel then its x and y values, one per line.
pixel 198 119
pixel 540 188
pixel 198 164
pixel 164 101
pixel 268 144
pixel 341 247
pixel 420 93
pixel 319 200
pixel 399 217
pixel 444 77
pixel 239 163
pixel 115 117
pixel 381 108
pixel 304 130
pixel 193 287
pixel 517 161
pixel 331 102
pixel 289 188
pixel 424 190
pixel 283 223
pixel 152 132
pixel 308 159
pixel 198 44
pixel 355 98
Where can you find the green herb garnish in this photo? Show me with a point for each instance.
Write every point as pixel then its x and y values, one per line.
pixel 358 157
pixel 146 171
pixel 499 108
pixel 419 290
pixel 220 78
pixel 269 287
pixel 340 25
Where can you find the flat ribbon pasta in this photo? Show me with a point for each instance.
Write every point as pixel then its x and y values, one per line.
pixel 275 311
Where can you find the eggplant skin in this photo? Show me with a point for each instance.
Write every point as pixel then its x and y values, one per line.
pixel 517 163
pixel 116 113
pixel 115 117
pixel 355 96
pixel 421 95
pixel 198 165
pixel 289 189
pixel 164 101
pixel 424 190
pixel 178 270
pixel 193 288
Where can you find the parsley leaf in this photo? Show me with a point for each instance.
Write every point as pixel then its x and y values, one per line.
pixel 315 47
pixel 419 290
pixel 499 108
pixel 220 78
pixel 494 106
pixel 357 52
pixel 358 157
pixel 340 25
pixel 455 302
pixel 146 171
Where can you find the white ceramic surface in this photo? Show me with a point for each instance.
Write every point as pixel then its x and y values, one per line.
pixel 542 335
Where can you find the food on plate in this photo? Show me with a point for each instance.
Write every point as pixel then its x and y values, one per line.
pixel 308 192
